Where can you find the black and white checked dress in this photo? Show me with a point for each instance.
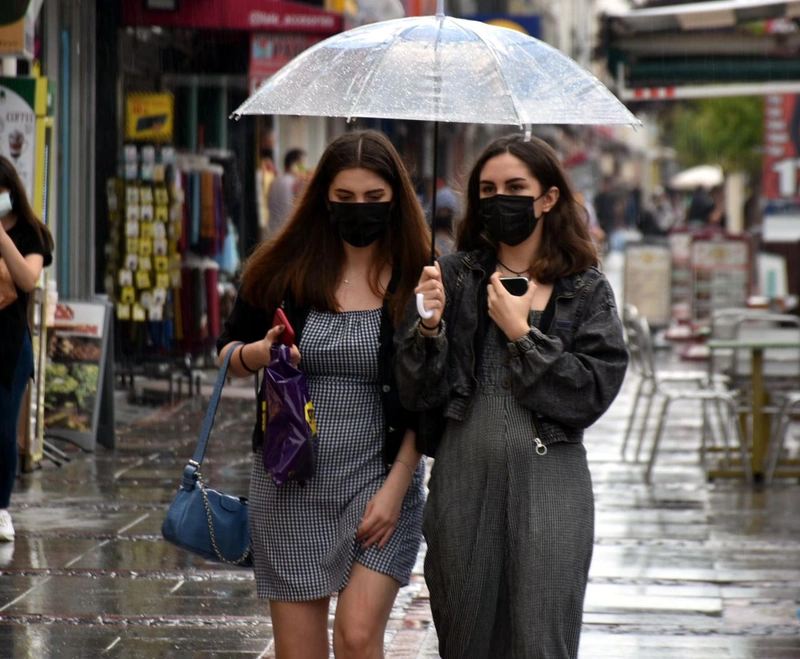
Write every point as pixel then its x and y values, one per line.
pixel 509 532
pixel 304 537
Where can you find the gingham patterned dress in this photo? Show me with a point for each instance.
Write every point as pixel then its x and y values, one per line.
pixel 304 537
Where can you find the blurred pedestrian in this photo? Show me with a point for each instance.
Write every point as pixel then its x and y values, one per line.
pixel 606 205
pixel 519 376
pixel 26 247
pixel 700 208
pixel 284 190
pixel 343 270
pixel 592 223
pixel 265 175
pixel 446 210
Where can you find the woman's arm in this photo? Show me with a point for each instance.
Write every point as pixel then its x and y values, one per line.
pixel 574 388
pixel 383 510
pixel 25 270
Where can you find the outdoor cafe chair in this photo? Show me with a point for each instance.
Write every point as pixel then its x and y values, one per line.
pixel 668 392
pixel 790 407
pixel 642 363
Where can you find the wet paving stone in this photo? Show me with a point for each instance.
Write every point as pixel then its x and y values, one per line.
pixel 682 568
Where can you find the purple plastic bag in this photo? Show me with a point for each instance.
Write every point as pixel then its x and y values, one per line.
pixel 290 429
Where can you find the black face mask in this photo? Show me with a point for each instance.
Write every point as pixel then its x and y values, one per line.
pixel 361 224
pixel 509 219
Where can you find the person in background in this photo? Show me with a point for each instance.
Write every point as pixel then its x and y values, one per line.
pixel 265 175
pixel 446 210
pixel 595 230
pixel 606 205
pixel 518 375
pixel 700 208
pixel 26 247
pixel 284 190
pixel 342 269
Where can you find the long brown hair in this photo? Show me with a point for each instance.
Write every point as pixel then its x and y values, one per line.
pixel 566 246
pixel 307 257
pixel 9 179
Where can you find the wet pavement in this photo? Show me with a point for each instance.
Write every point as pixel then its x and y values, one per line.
pixel 682 568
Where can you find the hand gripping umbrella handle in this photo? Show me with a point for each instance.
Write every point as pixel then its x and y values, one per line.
pixel 421 310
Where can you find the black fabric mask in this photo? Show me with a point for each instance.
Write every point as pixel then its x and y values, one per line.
pixel 509 219
pixel 361 224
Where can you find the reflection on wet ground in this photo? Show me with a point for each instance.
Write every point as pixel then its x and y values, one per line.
pixel 682 568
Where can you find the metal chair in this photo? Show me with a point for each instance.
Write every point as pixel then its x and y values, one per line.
pixel 642 363
pixel 791 405
pixel 698 389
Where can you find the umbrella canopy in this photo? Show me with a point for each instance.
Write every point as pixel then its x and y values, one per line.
pixel 438 68
pixel 702 176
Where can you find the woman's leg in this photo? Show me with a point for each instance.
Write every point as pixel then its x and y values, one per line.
pixel 10 403
pixel 300 629
pixel 362 613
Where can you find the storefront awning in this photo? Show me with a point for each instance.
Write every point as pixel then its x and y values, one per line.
pixel 720 14
pixel 248 15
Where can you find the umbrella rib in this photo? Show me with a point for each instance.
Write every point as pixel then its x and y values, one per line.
pixel 375 67
pixel 498 68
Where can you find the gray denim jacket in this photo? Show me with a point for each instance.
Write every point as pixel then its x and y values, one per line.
pixel 567 375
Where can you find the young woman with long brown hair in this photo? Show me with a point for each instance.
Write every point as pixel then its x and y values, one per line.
pixel 343 269
pixel 517 374
pixel 26 247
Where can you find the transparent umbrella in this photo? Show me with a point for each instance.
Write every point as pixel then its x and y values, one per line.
pixel 438 68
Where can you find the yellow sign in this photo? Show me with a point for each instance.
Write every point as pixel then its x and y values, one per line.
pixel 149 117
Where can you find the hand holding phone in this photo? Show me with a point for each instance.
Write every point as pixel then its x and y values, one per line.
pixel 287 337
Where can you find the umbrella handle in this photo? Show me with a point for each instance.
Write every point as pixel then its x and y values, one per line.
pixel 421 310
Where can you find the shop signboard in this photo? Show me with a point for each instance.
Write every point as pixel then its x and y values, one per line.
pixel 781 172
pixel 646 284
pixel 78 376
pixel 149 117
pixel 269 52
pixel 18 127
pixel 16 28
pixel 249 15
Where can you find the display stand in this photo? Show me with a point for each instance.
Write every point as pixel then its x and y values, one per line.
pixel 646 285
pixel 79 386
pixel 720 273
pixel 680 242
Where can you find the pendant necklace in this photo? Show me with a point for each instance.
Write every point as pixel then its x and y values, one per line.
pixel 519 274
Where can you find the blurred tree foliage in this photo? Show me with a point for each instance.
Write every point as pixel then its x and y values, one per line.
pixel 724 131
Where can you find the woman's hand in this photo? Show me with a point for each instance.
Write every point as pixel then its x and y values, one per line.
pixel 511 313
pixel 380 516
pixel 271 337
pixel 432 289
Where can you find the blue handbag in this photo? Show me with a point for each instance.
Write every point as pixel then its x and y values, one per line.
pixel 202 520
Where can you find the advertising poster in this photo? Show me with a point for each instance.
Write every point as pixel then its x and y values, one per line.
pixel 75 373
pixel 18 127
pixel 149 117
pixel 781 173
pixel 269 52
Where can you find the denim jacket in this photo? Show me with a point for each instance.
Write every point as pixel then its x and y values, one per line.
pixel 568 374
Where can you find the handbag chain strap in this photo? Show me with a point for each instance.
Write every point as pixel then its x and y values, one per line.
pixel 239 560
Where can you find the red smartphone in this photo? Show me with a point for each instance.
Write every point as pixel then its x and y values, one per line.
pixel 287 336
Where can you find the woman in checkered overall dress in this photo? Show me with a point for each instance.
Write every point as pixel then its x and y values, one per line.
pixel 518 370
pixel 354 529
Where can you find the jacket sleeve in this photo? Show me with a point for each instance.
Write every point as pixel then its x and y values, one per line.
pixel 574 387
pixel 420 362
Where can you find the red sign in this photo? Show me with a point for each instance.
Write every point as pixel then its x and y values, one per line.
pixel 269 52
pixel 781 174
pixel 249 15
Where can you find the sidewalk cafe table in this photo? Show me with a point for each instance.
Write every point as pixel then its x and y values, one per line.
pixel 760 422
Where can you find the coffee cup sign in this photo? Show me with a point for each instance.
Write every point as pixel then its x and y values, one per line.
pixel 18 134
